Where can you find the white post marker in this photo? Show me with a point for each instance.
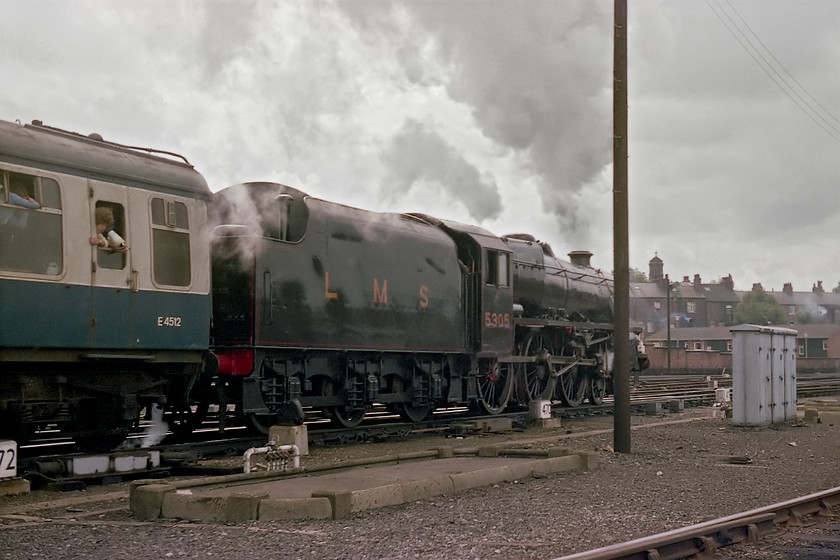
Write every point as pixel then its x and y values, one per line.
pixel 8 459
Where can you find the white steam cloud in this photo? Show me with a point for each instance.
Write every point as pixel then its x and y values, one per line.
pixel 508 102
pixel 418 156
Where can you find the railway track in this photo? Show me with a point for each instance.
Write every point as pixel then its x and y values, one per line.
pixel 381 425
pixel 807 526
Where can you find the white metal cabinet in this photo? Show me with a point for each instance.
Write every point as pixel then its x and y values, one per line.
pixel 763 375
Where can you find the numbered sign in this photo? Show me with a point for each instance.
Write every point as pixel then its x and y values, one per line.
pixel 8 459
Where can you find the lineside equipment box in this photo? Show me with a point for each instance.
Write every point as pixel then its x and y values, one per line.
pixel 763 375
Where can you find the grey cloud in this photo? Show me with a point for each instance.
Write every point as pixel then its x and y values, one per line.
pixel 514 98
pixel 417 155
pixel 226 30
pixel 534 75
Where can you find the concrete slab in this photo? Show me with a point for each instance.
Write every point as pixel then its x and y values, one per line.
pixel 654 409
pixel 484 425
pixel 829 417
pixel 339 492
pixel 14 486
pixel 548 423
pixel 290 435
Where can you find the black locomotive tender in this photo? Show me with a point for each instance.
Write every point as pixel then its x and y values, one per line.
pixel 315 305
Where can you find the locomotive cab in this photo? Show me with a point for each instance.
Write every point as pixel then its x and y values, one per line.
pixel 487 288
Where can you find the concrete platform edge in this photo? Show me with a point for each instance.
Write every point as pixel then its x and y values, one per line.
pixel 151 500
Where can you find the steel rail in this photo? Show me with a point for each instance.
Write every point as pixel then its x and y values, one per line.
pixel 706 538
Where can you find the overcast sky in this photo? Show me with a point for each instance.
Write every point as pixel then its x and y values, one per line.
pixel 495 113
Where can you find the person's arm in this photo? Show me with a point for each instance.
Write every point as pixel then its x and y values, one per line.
pixel 26 202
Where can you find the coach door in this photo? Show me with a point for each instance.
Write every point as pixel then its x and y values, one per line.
pixel 112 289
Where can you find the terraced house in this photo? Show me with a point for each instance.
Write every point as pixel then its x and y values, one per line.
pixel 700 315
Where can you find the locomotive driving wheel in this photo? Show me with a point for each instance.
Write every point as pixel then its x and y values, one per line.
pixel 341 415
pixel 596 388
pixel 494 386
pixel 535 380
pixel 572 387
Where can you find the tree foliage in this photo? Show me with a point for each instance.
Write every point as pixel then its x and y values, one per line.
pixel 836 290
pixel 805 317
pixel 759 308
pixel 637 275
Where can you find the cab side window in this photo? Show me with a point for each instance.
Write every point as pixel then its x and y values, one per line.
pixel 170 243
pixel 497 270
pixel 30 224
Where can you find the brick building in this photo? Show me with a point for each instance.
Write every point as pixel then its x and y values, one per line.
pixel 692 303
pixel 708 350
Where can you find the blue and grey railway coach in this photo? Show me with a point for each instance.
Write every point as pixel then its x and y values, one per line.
pixel 91 333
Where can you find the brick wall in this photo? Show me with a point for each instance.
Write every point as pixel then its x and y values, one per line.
pixel 814 365
pixel 689 361
pixel 709 363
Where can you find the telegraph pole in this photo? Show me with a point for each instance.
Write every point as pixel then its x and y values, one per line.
pixel 668 326
pixel 621 248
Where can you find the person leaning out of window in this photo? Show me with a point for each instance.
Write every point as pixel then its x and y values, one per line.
pixel 105 236
pixel 19 195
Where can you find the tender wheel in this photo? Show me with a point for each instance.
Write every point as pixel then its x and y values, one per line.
pixel 572 387
pixel 340 415
pixel 185 419
pixel 261 423
pixel 596 389
pixel 535 381
pixel 290 413
pixel 495 385
pixel 407 411
pixel 415 413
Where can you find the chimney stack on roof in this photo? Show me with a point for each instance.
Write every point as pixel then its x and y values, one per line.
pixel 788 289
pixel 697 282
pixel 728 282
pixel 818 288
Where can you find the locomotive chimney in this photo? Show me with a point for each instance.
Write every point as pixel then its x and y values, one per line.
pixel 580 258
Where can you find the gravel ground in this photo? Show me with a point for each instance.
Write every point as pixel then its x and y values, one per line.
pixel 676 475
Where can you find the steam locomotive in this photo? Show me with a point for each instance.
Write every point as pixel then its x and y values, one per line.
pixel 321 305
pixel 267 301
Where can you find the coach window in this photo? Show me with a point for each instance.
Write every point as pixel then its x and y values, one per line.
pixel 30 224
pixel 497 272
pixel 170 243
pixel 106 257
